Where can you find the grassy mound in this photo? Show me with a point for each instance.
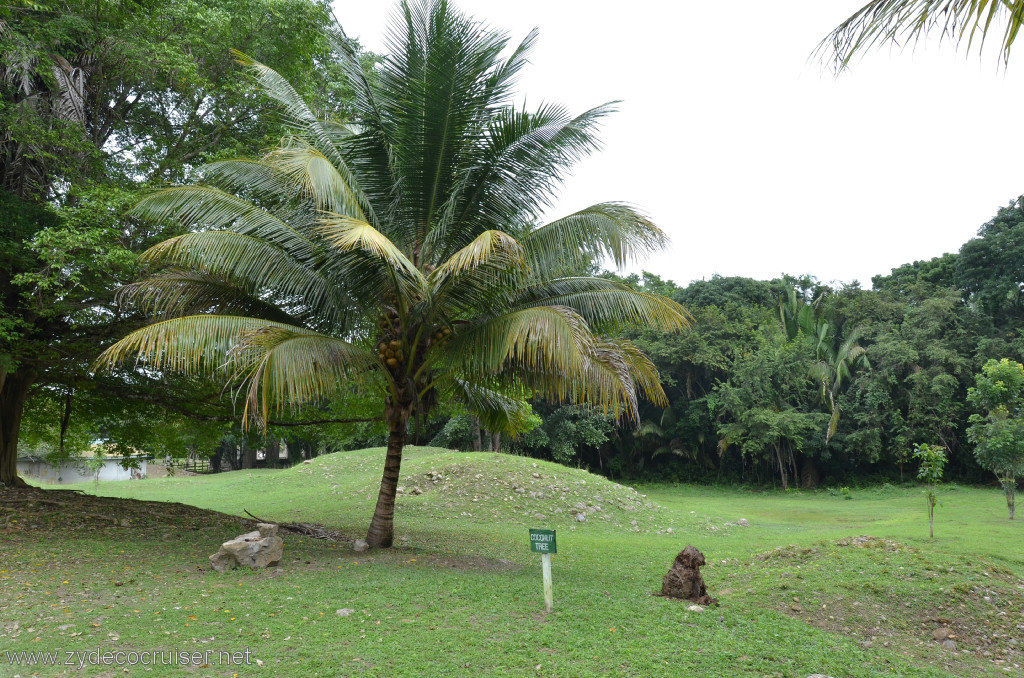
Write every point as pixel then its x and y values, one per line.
pixel 484 486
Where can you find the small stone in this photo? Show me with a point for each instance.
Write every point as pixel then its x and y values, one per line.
pixel 742 522
pixel 400 489
pixel 694 608
pixel 581 517
pixel 536 475
pixel 417 491
pixel 866 644
pixel 942 633
pixel 949 644
pixel 344 612
pixel 360 545
pixel 669 530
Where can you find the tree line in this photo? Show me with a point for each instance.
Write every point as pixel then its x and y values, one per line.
pixel 797 382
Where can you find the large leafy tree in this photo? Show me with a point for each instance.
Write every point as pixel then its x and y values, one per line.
pixel 97 98
pixel 401 254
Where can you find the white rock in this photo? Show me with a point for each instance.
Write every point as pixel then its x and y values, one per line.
pixel 360 545
pixel 344 612
pixel 742 522
pixel 694 608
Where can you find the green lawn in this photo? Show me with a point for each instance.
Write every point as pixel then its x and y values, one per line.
pixel 800 592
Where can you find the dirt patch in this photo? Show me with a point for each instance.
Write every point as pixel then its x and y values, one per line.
pixel 888 596
pixel 473 563
pixel 30 510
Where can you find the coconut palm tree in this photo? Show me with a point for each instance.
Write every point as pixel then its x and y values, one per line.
pixel 401 254
pixel 905 21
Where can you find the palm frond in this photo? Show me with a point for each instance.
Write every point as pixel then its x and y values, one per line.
pixel 906 21
pixel 192 345
pixel 280 367
pixel 573 243
pixel 608 306
pixel 515 172
pixel 244 176
pixel 208 208
pixel 347 234
pixel 256 267
pixel 175 292
pixel 433 94
pixel 317 177
pixel 493 261
pixel 496 411
pixel 549 339
pixel 305 122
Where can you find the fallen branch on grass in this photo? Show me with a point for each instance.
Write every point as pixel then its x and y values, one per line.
pixel 305 528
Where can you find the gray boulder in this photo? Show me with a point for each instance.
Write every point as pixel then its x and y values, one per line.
pixel 259 548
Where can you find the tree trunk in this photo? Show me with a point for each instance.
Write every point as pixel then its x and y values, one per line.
pixel 1010 489
pixel 478 443
pixel 13 394
pixel 382 526
pixel 216 458
pixel 487 440
pixel 272 453
pixel 782 468
pixel 496 442
pixel 811 474
pixel 248 455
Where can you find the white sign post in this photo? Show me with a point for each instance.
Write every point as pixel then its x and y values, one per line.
pixel 543 542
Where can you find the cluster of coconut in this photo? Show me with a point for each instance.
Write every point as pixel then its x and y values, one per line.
pixel 439 336
pixel 390 352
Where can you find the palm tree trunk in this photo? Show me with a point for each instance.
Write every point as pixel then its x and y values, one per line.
pixel 382 526
pixel 13 394
pixel 477 440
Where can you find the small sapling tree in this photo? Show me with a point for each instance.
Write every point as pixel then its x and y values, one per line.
pixel 933 459
pixel 998 435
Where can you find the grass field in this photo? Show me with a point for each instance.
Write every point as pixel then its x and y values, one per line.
pixel 816 584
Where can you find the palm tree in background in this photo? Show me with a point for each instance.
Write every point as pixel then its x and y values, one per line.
pixel 837 358
pixel 907 21
pixel 401 254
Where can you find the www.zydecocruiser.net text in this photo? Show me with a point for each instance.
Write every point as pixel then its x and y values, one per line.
pixel 98 657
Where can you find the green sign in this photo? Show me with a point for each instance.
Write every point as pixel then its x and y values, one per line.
pixel 543 541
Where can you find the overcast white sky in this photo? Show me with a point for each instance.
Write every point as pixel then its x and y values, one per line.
pixel 755 160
